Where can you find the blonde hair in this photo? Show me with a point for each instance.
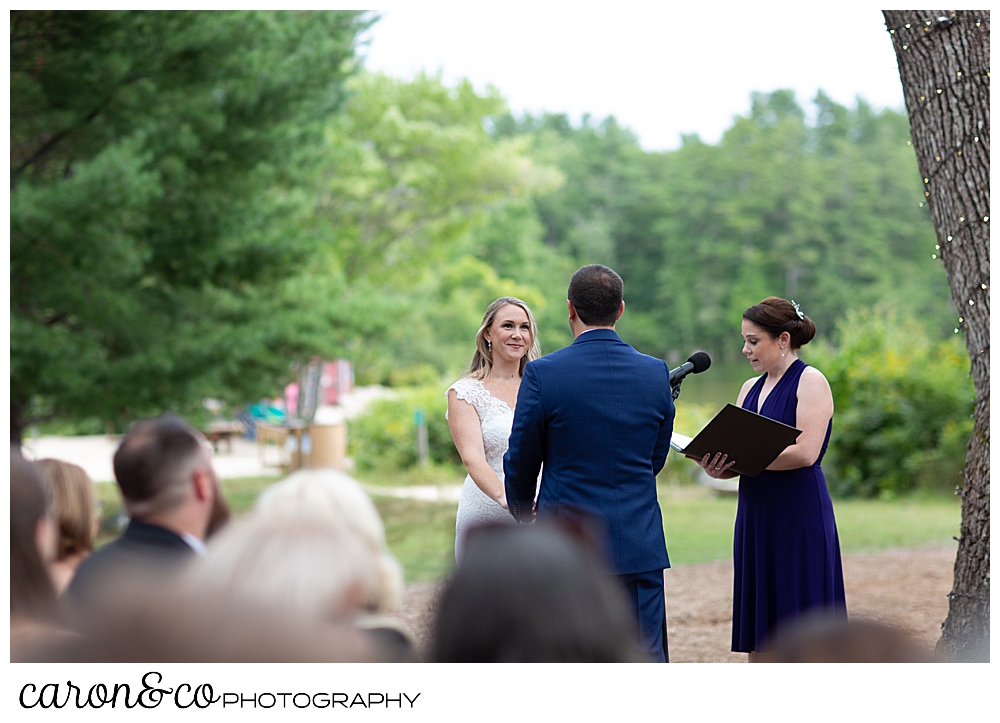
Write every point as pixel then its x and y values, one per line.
pixel 74 506
pixel 482 360
pixel 301 568
pixel 336 500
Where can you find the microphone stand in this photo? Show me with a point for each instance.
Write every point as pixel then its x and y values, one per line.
pixel 675 389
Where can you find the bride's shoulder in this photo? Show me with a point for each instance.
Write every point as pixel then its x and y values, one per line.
pixel 466 388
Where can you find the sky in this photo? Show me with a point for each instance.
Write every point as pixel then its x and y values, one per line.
pixel 662 69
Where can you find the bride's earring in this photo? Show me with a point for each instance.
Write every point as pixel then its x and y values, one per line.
pixel 489 347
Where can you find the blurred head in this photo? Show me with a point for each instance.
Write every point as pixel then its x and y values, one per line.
pixel 295 566
pixel 74 506
pixel 531 594
pixel 595 292
pixel 332 499
pixel 482 360
pixel 164 464
pixel 144 620
pixel 822 639
pixel 778 317
pixel 32 543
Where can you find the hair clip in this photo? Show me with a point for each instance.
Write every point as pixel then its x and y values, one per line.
pixel 798 310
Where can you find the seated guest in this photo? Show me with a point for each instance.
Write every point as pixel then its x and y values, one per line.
pixel 819 638
pixel 164 471
pixel 35 614
pixel 531 595
pixel 76 516
pixel 334 499
pixel 146 619
pixel 298 568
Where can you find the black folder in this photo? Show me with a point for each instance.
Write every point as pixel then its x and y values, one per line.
pixel 752 440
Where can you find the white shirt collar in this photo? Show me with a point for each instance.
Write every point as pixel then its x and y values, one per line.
pixel 194 543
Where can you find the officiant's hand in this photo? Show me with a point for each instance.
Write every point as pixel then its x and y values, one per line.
pixel 716 467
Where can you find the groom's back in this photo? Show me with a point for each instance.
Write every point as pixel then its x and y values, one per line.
pixel 608 414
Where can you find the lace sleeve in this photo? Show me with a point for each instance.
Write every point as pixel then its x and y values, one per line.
pixel 472 391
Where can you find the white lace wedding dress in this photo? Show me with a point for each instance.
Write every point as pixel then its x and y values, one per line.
pixel 496 418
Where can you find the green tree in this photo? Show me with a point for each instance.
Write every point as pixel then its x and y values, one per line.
pixel 156 211
pixel 424 218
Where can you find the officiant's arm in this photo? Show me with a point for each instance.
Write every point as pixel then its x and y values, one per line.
pixel 467 432
pixel 813 413
pixel 526 448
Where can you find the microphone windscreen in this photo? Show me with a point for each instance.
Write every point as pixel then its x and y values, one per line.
pixel 701 361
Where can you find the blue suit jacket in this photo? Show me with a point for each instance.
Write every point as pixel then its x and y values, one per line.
pixel 599 415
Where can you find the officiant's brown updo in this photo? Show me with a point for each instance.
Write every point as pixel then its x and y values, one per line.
pixel 775 315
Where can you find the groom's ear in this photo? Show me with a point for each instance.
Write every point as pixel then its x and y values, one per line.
pixel 621 310
pixel 572 310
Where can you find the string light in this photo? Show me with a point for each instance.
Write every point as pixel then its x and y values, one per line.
pixel 942 21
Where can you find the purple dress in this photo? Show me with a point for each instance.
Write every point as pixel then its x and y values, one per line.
pixel 786 554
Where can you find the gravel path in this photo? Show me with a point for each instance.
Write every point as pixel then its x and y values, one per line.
pixel 904 587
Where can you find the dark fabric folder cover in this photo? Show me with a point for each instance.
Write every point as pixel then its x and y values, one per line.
pixel 750 439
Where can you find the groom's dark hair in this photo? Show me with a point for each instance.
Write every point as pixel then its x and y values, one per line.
pixel 596 293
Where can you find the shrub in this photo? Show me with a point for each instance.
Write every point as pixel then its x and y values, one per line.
pixel 386 438
pixel 902 407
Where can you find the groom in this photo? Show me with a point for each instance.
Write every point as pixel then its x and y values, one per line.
pixel 599 415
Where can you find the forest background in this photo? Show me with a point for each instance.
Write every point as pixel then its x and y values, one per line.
pixel 200 202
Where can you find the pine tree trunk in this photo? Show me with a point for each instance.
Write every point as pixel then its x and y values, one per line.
pixel 944 61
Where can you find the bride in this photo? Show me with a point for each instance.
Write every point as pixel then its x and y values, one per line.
pixel 481 411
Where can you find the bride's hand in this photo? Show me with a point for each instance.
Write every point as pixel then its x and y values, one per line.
pixel 715 466
pixel 502 501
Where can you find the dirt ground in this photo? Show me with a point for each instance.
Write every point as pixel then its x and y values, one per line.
pixel 903 587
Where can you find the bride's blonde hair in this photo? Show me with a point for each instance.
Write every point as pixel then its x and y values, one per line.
pixel 482 360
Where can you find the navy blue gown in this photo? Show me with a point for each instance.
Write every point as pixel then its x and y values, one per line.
pixel 786 554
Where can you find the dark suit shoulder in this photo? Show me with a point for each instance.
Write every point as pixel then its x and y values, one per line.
pixel 141 547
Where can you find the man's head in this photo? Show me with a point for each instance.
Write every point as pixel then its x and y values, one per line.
pixel 164 471
pixel 595 296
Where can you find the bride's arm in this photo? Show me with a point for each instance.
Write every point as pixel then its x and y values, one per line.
pixel 467 432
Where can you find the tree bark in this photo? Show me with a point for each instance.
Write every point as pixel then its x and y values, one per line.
pixel 943 58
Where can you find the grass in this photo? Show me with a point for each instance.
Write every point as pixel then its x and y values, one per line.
pixel 698 525
pixel 432 474
pixel 421 535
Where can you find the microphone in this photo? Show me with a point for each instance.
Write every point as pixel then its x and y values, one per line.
pixel 696 364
